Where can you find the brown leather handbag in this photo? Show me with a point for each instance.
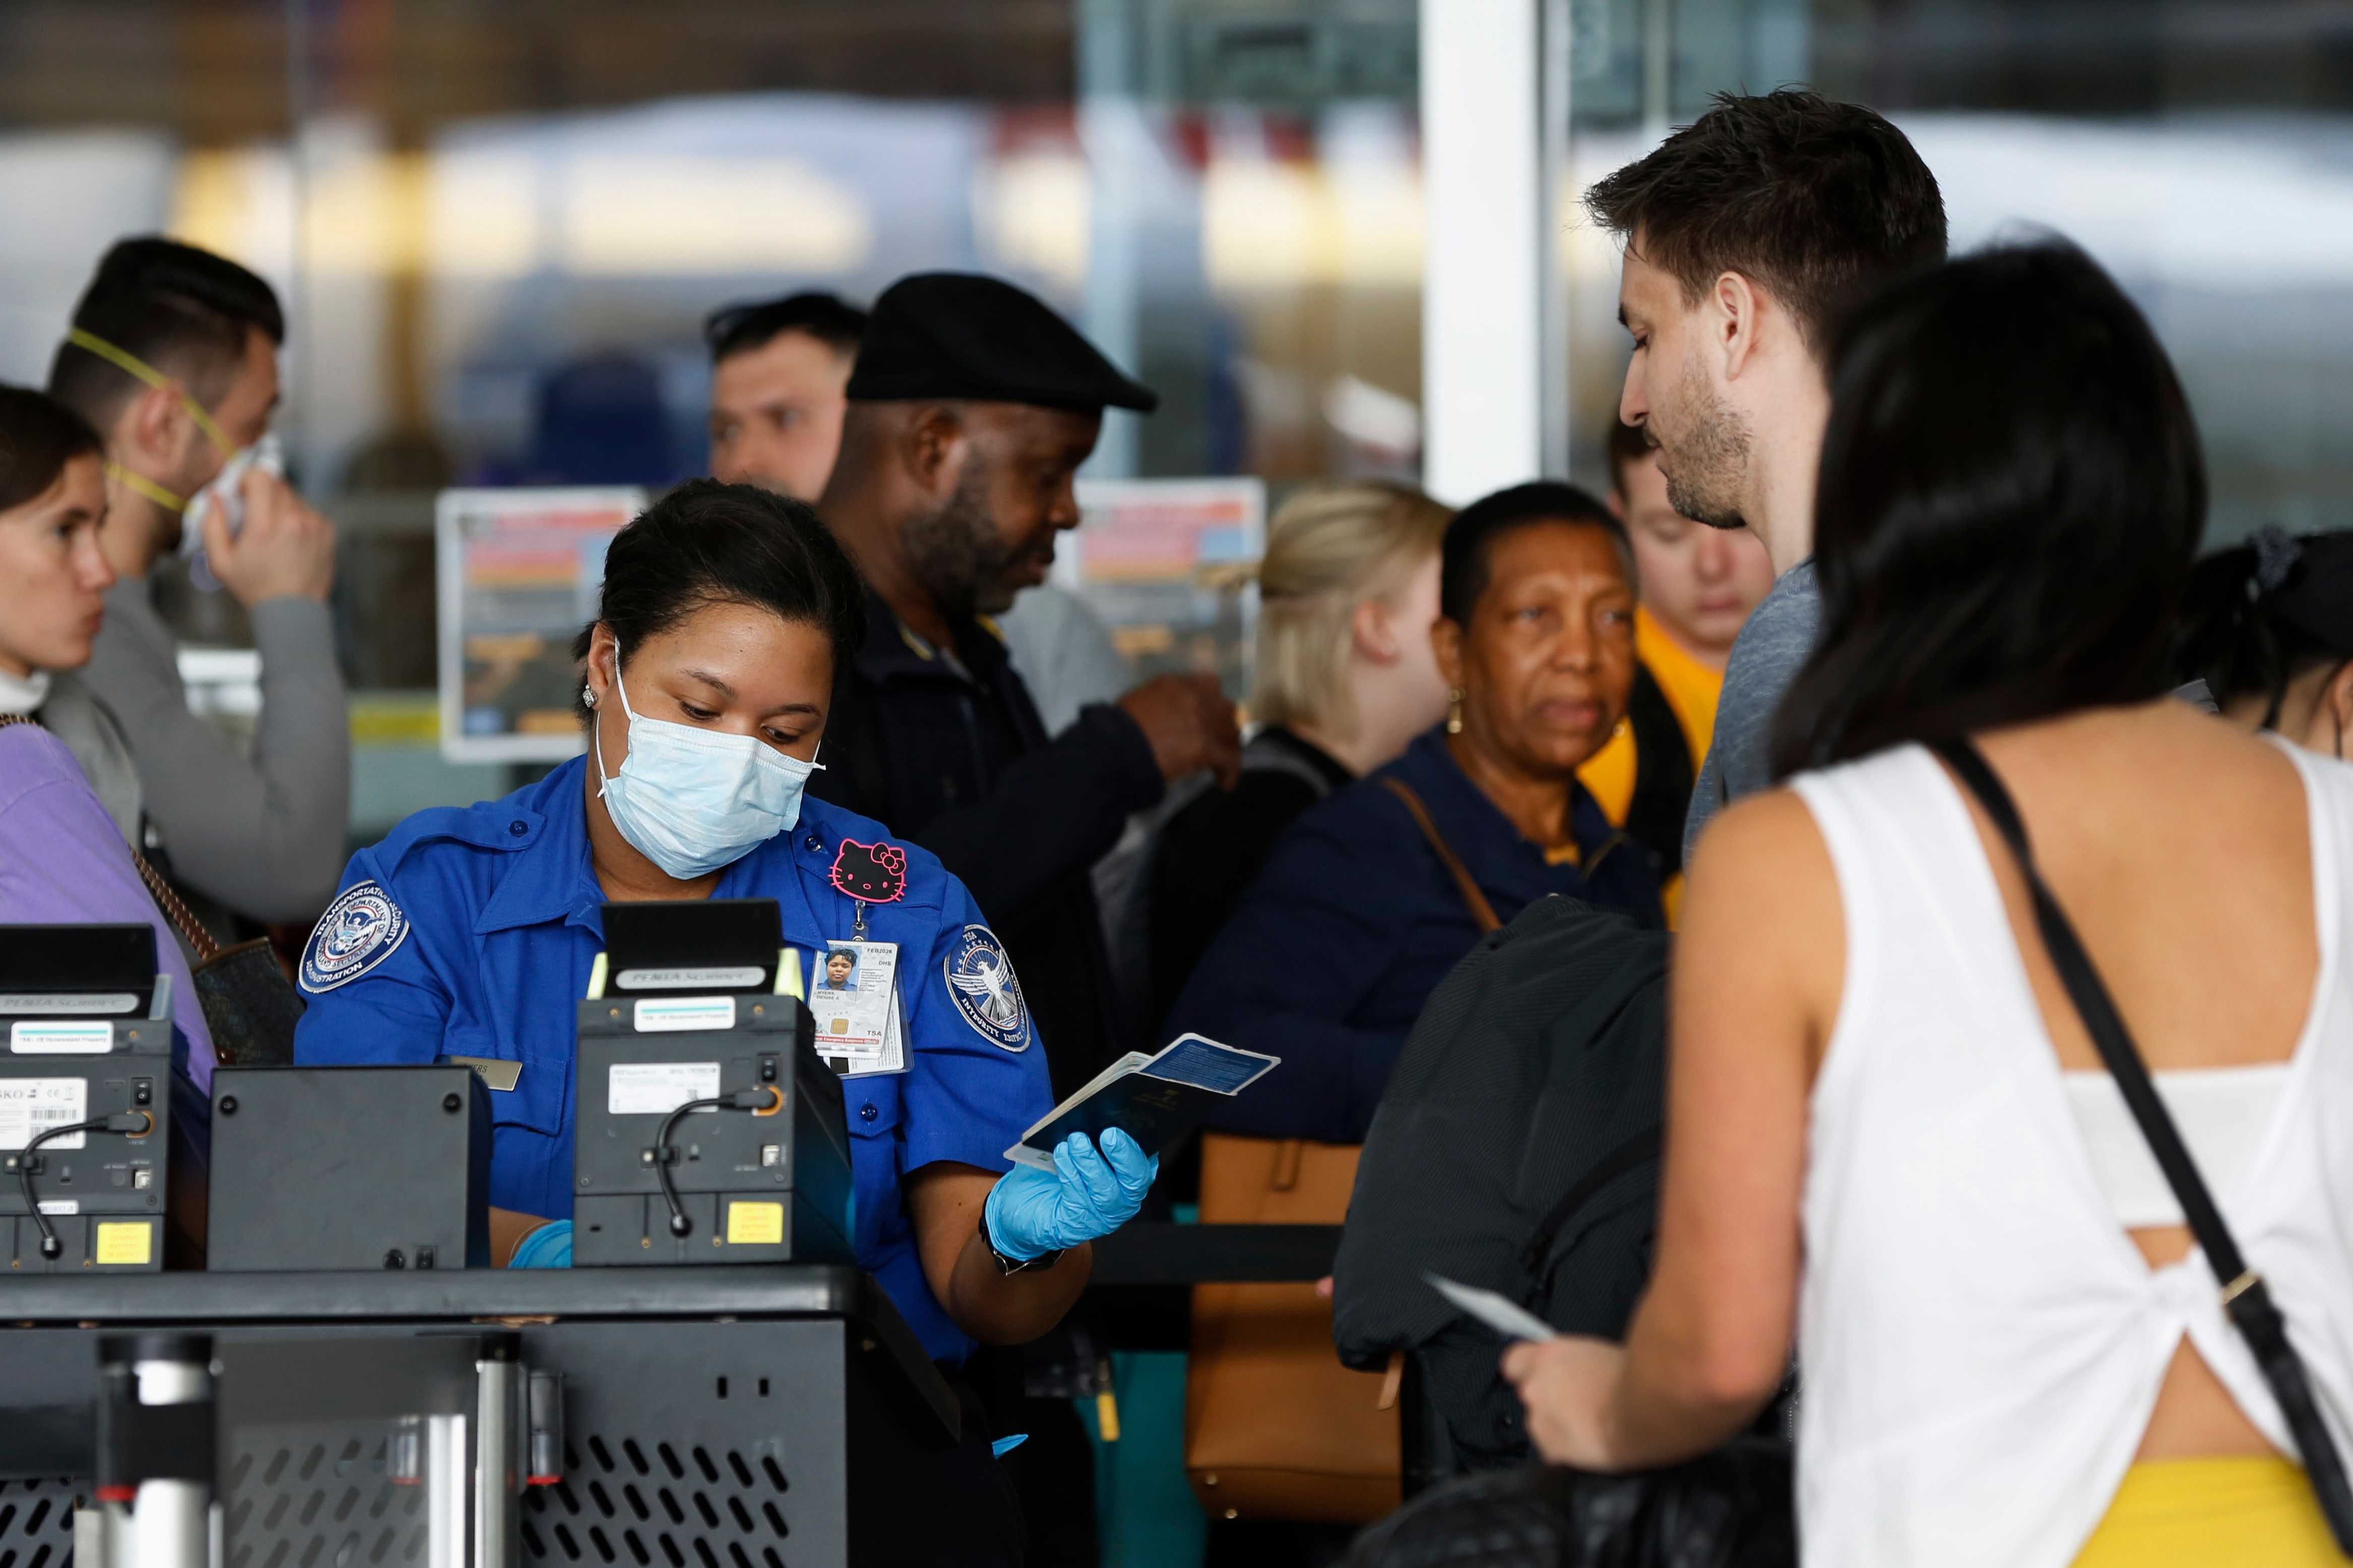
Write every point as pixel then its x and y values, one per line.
pixel 1275 1427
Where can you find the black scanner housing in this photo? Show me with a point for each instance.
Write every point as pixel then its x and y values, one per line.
pixel 796 1156
pixel 350 1168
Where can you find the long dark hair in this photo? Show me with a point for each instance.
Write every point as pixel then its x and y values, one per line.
pixel 2260 614
pixel 2010 497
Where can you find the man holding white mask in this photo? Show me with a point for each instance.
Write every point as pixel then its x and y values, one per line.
pixel 173 357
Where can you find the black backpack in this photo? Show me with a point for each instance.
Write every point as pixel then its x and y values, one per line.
pixel 1516 1148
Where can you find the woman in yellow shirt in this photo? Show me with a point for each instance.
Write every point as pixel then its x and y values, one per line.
pixel 1698 585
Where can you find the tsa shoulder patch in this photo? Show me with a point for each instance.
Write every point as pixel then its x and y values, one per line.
pixel 360 929
pixel 980 977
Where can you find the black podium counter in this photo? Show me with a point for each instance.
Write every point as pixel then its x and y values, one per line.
pixel 714 1417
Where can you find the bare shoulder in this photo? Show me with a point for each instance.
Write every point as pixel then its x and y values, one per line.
pixel 1766 841
pixel 1763 942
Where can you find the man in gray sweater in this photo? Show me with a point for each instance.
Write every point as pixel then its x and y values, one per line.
pixel 172 356
pixel 1747 233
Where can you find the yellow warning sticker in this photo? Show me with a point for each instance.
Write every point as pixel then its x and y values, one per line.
pixel 754 1224
pixel 128 1242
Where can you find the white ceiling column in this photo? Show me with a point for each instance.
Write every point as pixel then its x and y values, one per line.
pixel 1483 316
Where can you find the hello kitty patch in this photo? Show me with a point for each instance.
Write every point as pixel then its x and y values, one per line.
pixel 870 873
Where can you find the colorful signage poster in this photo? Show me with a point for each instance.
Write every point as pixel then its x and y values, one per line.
pixel 518 573
pixel 1167 563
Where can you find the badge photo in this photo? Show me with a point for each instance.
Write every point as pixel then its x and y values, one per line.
pixel 981 979
pixel 360 929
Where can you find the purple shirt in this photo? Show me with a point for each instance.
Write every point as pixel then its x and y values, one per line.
pixel 62 863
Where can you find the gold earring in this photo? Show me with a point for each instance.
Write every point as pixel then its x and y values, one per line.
pixel 1454 711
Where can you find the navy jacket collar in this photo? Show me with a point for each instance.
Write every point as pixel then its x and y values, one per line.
pixel 892 648
pixel 1497 852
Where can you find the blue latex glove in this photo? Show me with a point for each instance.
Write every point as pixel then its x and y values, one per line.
pixel 1088 1194
pixel 549 1247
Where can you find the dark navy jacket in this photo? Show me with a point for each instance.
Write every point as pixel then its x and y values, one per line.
pixel 957 759
pixel 1355 921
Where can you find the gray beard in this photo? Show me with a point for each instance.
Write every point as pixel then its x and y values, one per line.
pixel 1709 461
pixel 957 555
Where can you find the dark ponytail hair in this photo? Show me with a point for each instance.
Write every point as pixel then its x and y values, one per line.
pixel 2010 496
pixel 2260 614
pixel 39 436
pixel 707 544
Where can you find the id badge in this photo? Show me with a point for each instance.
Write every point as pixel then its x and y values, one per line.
pixel 893 1057
pixel 853 999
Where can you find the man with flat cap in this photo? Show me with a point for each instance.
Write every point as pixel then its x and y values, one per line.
pixel 971 408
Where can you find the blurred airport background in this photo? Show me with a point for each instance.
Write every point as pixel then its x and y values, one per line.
pixel 498 224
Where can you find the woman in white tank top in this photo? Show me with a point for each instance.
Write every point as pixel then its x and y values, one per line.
pixel 1890 1141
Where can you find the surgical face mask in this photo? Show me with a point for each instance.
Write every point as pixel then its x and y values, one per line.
pixel 693 800
pixel 226 490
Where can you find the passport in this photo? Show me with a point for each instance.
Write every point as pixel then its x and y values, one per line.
pixel 1151 1097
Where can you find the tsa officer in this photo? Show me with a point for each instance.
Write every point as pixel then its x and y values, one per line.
pixel 708 678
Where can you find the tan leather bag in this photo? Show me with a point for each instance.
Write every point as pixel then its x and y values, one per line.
pixel 1275 1427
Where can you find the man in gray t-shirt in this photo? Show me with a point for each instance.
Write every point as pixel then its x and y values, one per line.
pixel 1771 648
pixel 1745 233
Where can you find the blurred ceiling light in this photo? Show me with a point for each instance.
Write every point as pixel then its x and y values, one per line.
pixel 673 215
pixel 359 215
pixel 1372 416
pixel 483 212
pixel 1034 213
pixel 1269 223
pixel 216 195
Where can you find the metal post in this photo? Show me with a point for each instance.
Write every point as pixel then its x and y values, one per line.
pixel 501 1436
pixel 1556 194
pixel 1115 137
pixel 161 1467
pixel 1483 280
pixel 1658 68
pixel 447 1479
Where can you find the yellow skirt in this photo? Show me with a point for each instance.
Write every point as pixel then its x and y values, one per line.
pixel 2258 1513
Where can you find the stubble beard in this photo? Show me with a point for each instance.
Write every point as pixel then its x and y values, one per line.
pixel 956 553
pixel 1706 466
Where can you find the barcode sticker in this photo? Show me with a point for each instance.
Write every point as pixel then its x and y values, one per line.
pixel 657 1088
pixel 31 1105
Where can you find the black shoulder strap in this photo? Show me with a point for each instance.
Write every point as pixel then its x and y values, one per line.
pixel 2244 1295
pixel 1663 776
pixel 1632 1154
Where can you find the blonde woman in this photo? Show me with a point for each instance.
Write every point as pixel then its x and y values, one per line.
pixel 1346 677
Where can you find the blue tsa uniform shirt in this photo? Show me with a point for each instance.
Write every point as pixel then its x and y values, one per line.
pixel 470 932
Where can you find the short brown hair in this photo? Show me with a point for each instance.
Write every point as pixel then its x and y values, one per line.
pixel 1818 201
pixel 184 311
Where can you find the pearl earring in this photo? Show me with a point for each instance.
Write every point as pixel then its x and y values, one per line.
pixel 1454 711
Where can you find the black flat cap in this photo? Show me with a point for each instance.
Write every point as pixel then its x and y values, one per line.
pixel 960 334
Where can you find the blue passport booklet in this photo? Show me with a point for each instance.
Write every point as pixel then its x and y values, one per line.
pixel 1152 1099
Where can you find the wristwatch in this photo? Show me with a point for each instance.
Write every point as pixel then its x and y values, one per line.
pixel 1012 1265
